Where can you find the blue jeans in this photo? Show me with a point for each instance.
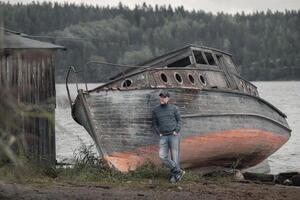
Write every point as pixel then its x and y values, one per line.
pixel 170 143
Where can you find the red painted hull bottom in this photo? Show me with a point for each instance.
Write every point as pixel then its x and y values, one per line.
pixel 240 147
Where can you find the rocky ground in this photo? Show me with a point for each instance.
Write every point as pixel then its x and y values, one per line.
pixel 149 189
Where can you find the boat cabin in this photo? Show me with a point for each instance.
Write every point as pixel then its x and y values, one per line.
pixel 190 67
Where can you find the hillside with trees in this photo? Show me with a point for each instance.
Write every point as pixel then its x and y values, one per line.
pixel 265 45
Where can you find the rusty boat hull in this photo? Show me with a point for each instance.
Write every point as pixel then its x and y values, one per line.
pixel 220 128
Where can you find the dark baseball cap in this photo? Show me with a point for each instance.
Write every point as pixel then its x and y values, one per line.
pixel 164 93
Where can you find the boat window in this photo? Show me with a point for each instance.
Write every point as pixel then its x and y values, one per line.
pixel 178 77
pixel 210 58
pixel 181 63
pixel 219 57
pixel 127 83
pixel 163 77
pixel 191 78
pixel 227 61
pixel 202 79
pixel 199 57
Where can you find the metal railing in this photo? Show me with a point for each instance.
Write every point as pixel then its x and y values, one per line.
pixel 71 68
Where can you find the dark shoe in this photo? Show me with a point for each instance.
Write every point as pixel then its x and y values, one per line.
pixel 172 180
pixel 179 175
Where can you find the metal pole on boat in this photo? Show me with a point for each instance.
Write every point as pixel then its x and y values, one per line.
pixel 67 82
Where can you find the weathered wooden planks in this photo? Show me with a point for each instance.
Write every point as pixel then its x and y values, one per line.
pixel 27 75
pixel 122 125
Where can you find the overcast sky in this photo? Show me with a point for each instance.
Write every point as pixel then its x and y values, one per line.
pixel 229 6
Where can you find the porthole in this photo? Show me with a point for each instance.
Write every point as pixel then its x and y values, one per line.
pixel 127 83
pixel 178 77
pixel 163 77
pixel 202 79
pixel 191 78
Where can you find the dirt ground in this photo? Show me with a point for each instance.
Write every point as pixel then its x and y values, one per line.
pixel 209 190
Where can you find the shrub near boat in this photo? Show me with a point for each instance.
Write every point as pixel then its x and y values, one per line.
pixel 225 122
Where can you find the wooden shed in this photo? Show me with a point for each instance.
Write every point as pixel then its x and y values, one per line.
pixel 27 74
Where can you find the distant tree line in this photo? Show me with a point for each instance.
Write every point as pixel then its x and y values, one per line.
pixel 265 45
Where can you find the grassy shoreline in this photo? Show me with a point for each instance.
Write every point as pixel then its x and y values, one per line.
pixel 90 178
pixel 87 167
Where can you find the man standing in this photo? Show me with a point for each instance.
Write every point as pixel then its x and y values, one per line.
pixel 167 123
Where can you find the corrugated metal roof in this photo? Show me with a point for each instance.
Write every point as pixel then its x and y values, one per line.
pixel 14 40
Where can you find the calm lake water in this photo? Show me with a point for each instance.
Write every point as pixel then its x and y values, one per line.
pixel 283 95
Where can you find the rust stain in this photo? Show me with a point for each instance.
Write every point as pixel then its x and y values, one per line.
pixel 217 148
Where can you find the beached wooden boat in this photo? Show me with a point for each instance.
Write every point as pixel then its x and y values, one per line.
pixel 225 122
